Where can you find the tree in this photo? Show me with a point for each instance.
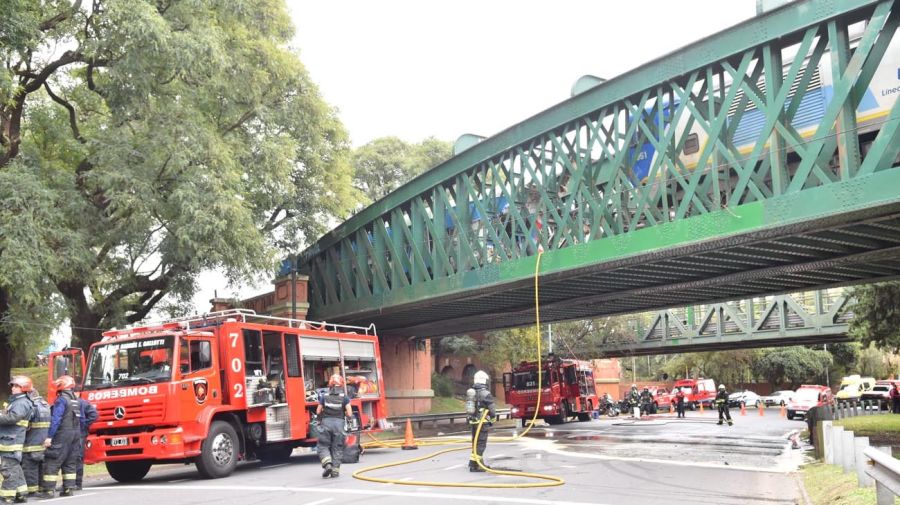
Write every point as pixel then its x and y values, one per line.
pixel 876 315
pixel 387 163
pixel 795 365
pixel 512 346
pixel 160 139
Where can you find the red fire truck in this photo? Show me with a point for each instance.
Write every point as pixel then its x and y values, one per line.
pixel 218 388
pixel 567 390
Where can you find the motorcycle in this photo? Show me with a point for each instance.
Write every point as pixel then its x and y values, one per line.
pixel 608 408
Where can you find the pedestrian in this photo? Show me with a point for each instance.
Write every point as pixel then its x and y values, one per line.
pixel 634 399
pixel 332 413
pixel 722 405
pixel 88 416
pixel 484 409
pixel 13 426
pixel 33 453
pixel 679 402
pixel 895 399
pixel 646 401
pixel 62 440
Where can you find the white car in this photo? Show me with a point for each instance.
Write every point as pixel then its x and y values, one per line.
pixel 748 398
pixel 778 397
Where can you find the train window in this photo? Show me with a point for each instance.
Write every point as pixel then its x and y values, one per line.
pixel 692 144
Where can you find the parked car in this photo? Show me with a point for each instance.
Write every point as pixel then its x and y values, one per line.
pixel 748 398
pixel 662 399
pixel 881 392
pixel 853 386
pixel 778 398
pixel 806 397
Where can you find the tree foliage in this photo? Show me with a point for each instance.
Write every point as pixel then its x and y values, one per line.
pixel 509 347
pixel 156 140
pixel 795 365
pixel 876 315
pixel 387 163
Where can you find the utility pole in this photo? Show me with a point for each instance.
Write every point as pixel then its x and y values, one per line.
pixel 550 338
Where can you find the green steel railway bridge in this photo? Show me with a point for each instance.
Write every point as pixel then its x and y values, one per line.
pixel 696 178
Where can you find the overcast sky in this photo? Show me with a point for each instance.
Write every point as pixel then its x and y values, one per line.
pixel 415 69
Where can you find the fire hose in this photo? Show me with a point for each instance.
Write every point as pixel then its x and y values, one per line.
pixel 544 480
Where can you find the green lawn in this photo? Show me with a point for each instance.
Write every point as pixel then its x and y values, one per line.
pixel 883 429
pixel 829 485
pixel 444 405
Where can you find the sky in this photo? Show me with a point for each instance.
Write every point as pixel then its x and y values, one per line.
pixel 415 69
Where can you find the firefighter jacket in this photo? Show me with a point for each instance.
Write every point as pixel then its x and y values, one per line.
pixel 484 401
pixel 722 398
pixel 38 425
pixel 67 413
pixel 89 414
pixel 646 396
pixel 334 403
pixel 633 397
pixel 13 424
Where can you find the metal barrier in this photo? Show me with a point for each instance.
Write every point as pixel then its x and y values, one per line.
pixel 853 408
pixel 421 419
pixel 885 470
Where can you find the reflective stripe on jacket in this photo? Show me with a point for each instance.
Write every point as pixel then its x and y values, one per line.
pixel 14 423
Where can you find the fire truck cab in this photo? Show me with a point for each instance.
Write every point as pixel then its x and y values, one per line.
pixel 218 388
pixel 567 390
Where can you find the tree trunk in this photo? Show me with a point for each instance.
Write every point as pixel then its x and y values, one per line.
pixel 85 327
pixel 5 348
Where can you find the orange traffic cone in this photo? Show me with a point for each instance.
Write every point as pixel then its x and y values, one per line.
pixel 761 411
pixel 671 408
pixel 409 442
pixel 783 411
pixel 701 407
pixel 743 409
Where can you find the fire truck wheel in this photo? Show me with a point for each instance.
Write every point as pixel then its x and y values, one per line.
pixel 127 471
pixel 219 452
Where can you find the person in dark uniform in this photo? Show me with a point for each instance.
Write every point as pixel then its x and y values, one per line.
pixel 89 415
pixel 634 398
pixel 333 411
pixel 33 454
pixel 679 402
pixel 646 401
pixel 62 440
pixel 895 399
pixel 13 425
pixel 484 406
pixel 722 405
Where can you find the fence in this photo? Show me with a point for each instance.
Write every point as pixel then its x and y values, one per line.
pixel 873 465
pixel 843 410
pixel 434 419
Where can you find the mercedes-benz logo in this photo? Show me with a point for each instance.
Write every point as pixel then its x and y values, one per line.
pixel 119 413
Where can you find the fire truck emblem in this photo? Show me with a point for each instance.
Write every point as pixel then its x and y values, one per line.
pixel 201 387
pixel 119 413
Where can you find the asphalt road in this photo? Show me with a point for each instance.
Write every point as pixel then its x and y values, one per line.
pixel 608 461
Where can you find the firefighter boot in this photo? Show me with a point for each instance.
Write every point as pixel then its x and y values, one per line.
pixel 46 494
pixel 326 473
pixel 21 498
pixel 7 500
pixel 67 492
pixel 474 467
pixel 720 422
pixel 730 423
pixel 335 473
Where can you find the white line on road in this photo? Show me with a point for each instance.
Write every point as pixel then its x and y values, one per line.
pixel 179 480
pixel 454 467
pixel 471 498
pixel 58 498
pixel 318 502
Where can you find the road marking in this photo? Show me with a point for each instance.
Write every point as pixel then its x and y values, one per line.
pixel 454 467
pixel 178 480
pixel 317 502
pixel 276 466
pixel 342 491
pixel 58 498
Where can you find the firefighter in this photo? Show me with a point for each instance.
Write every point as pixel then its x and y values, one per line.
pixel 679 402
pixel 33 454
pixel 484 406
pixel 634 398
pixel 646 401
pixel 13 426
pixel 89 416
pixel 332 414
pixel 63 439
pixel 722 405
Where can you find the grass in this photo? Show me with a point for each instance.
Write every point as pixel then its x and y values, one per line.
pixel 829 485
pixel 445 404
pixel 881 429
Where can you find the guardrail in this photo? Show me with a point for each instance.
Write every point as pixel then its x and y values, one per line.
pixel 885 470
pixel 421 419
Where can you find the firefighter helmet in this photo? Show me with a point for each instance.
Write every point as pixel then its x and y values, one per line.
pixel 336 380
pixel 23 382
pixel 64 382
pixel 480 377
pixel 721 386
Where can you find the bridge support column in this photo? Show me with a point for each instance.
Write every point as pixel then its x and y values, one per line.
pixel 407 366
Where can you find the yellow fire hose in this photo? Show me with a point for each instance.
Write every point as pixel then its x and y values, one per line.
pixel 546 480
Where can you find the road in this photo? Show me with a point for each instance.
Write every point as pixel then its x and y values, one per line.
pixel 607 461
